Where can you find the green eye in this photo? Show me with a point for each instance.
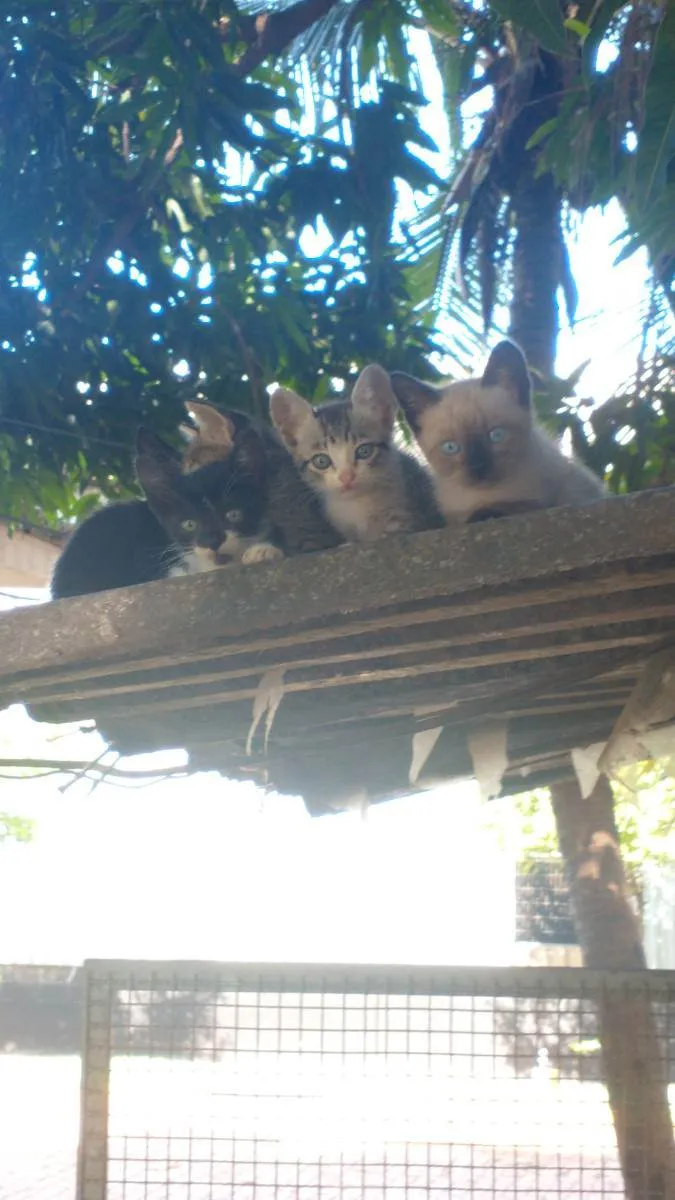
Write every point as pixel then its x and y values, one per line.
pixel 498 434
pixel 365 450
pixel 321 461
pixel 450 447
pixel 234 516
pixel 188 526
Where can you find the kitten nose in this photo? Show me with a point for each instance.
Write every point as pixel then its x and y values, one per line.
pixel 478 459
pixel 347 478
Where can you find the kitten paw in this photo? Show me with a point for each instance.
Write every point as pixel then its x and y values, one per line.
pixel 263 552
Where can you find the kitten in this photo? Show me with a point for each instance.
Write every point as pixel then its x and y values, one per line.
pixel 345 451
pixel 188 522
pixel 213 435
pixel 299 524
pixel 488 455
pixel 228 521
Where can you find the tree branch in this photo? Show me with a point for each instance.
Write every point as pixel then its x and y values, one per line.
pixel 117 236
pixel 269 34
pixel 57 766
pixel 250 366
pixel 276 30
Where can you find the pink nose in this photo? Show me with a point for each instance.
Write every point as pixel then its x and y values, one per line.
pixel 347 478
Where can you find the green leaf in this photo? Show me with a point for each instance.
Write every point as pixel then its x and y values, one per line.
pixel 542 132
pixel 656 141
pixel 204 209
pixel 20 829
pixel 292 327
pixel 441 18
pixel 578 27
pixel 174 209
pixel 541 18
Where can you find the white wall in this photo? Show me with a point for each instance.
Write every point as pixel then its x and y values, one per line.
pixel 25 561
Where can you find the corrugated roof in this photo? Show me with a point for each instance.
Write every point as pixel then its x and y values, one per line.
pixel 539 624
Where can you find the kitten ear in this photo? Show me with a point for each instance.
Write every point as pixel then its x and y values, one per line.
pixel 413 396
pixel 373 394
pixel 289 412
pixel 158 466
pixel 212 426
pixel 507 368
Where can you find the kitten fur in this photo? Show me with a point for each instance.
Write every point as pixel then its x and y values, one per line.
pixel 195 522
pixel 299 524
pixel 212 436
pixel 345 451
pixel 487 454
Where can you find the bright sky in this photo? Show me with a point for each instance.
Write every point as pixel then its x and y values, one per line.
pixel 202 868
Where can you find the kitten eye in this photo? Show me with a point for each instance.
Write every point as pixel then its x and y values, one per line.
pixel 188 526
pixel 365 450
pixel 321 461
pixel 499 434
pixel 450 447
pixel 234 515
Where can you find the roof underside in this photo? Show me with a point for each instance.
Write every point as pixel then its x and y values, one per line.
pixel 539 625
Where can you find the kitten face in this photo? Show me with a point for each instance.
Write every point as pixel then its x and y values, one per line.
pixel 343 448
pixel 214 513
pixel 476 433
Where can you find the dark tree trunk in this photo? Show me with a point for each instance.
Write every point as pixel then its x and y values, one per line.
pixel 610 938
pixel 536 206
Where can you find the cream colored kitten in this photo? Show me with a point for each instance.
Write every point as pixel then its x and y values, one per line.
pixel 211 441
pixel 487 453
pixel 345 452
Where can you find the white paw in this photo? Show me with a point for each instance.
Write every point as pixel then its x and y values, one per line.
pixel 262 552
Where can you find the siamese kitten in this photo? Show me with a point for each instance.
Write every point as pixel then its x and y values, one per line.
pixel 299 525
pixel 345 451
pixel 188 522
pixel 488 455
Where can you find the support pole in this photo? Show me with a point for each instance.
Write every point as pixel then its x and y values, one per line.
pixel 610 938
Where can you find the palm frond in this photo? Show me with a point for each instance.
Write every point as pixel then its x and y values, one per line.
pixel 567 282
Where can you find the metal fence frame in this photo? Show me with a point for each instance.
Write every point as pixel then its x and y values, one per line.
pixel 103 977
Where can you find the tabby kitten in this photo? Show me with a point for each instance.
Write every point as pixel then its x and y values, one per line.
pixel 188 522
pixel 488 455
pixel 346 453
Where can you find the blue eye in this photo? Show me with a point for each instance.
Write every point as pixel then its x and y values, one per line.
pixel 365 450
pixel 498 434
pixel 321 461
pixel 450 447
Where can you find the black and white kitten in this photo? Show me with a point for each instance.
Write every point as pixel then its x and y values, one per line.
pixel 299 523
pixel 212 516
pixel 346 453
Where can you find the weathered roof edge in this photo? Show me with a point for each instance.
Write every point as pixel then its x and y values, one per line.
pixel 392 572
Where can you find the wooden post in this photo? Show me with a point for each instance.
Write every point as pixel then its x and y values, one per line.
pixel 610 938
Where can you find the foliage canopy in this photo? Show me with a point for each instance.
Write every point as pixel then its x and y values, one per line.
pixel 204 196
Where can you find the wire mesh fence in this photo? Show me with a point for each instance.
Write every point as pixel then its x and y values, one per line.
pixel 354 1083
